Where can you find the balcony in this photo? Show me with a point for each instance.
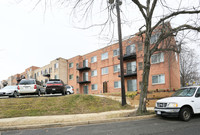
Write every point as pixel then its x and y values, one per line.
pixel 129 73
pixel 83 80
pixel 129 56
pixel 83 66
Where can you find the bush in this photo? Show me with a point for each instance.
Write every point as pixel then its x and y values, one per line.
pixel 131 94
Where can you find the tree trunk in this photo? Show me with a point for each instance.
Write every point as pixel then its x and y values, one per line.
pixel 143 95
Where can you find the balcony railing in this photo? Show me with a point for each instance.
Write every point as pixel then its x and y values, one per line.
pixel 83 66
pixel 83 80
pixel 128 56
pixel 129 73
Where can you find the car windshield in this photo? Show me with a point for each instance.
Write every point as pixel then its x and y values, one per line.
pixel 185 92
pixel 25 82
pixel 53 82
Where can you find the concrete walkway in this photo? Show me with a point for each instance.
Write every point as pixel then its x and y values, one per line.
pixel 68 120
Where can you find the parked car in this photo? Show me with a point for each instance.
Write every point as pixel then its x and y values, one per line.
pixel 10 91
pixel 30 87
pixel 183 103
pixel 55 86
pixel 69 89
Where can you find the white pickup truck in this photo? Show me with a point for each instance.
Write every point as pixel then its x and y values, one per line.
pixel 183 103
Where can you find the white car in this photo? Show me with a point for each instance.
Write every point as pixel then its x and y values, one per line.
pixel 10 91
pixel 30 87
pixel 183 103
pixel 69 89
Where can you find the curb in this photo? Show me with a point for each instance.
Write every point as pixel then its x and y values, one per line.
pixel 121 119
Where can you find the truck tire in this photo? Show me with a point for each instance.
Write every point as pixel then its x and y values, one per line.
pixel 185 114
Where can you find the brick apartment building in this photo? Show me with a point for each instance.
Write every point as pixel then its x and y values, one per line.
pixel 99 71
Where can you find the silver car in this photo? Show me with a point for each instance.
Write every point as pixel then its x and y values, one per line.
pixel 10 91
pixel 30 87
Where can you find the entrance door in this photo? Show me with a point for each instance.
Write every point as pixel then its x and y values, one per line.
pixel 105 89
pixel 85 89
pixel 132 85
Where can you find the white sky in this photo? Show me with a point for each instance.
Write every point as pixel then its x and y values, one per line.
pixel 30 38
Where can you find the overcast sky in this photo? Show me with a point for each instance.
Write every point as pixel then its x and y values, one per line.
pixel 31 38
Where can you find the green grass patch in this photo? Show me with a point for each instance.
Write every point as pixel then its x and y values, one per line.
pixel 60 105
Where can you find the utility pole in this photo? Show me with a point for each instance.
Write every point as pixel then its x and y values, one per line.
pixel 118 3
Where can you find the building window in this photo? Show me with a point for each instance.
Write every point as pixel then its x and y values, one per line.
pixel 132 85
pixel 104 71
pixel 46 71
pixel 130 49
pixel 41 72
pixel 38 73
pixel 94 59
pixel 56 77
pixel 157 58
pixel 94 86
pixel 158 79
pixel 104 56
pixel 50 70
pixel 140 47
pixel 85 76
pixel 131 67
pixel 71 77
pixel 140 65
pixel 154 38
pixel 117 84
pixel 55 65
pixel 116 68
pixel 94 73
pixel 116 52
pixel 71 65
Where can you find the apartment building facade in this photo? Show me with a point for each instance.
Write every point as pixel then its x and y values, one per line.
pixel 57 69
pixel 99 71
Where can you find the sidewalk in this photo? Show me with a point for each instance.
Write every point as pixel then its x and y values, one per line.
pixel 68 120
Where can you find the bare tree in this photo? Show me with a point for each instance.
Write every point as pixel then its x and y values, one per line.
pixel 189 66
pixel 163 31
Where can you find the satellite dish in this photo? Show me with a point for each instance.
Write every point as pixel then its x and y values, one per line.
pixel 111 1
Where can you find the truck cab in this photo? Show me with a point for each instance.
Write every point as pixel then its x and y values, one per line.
pixel 183 103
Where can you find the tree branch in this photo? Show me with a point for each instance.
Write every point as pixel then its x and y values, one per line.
pixel 175 14
pixel 152 8
pixel 141 7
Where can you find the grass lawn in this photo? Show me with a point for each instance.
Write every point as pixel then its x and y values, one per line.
pixel 59 105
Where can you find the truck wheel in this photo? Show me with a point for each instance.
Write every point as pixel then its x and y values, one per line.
pixel 185 114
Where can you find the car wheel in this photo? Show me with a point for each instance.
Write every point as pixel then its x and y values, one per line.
pixel 68 92
pixel 15 94
pixel 185 114
pixel 39 93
